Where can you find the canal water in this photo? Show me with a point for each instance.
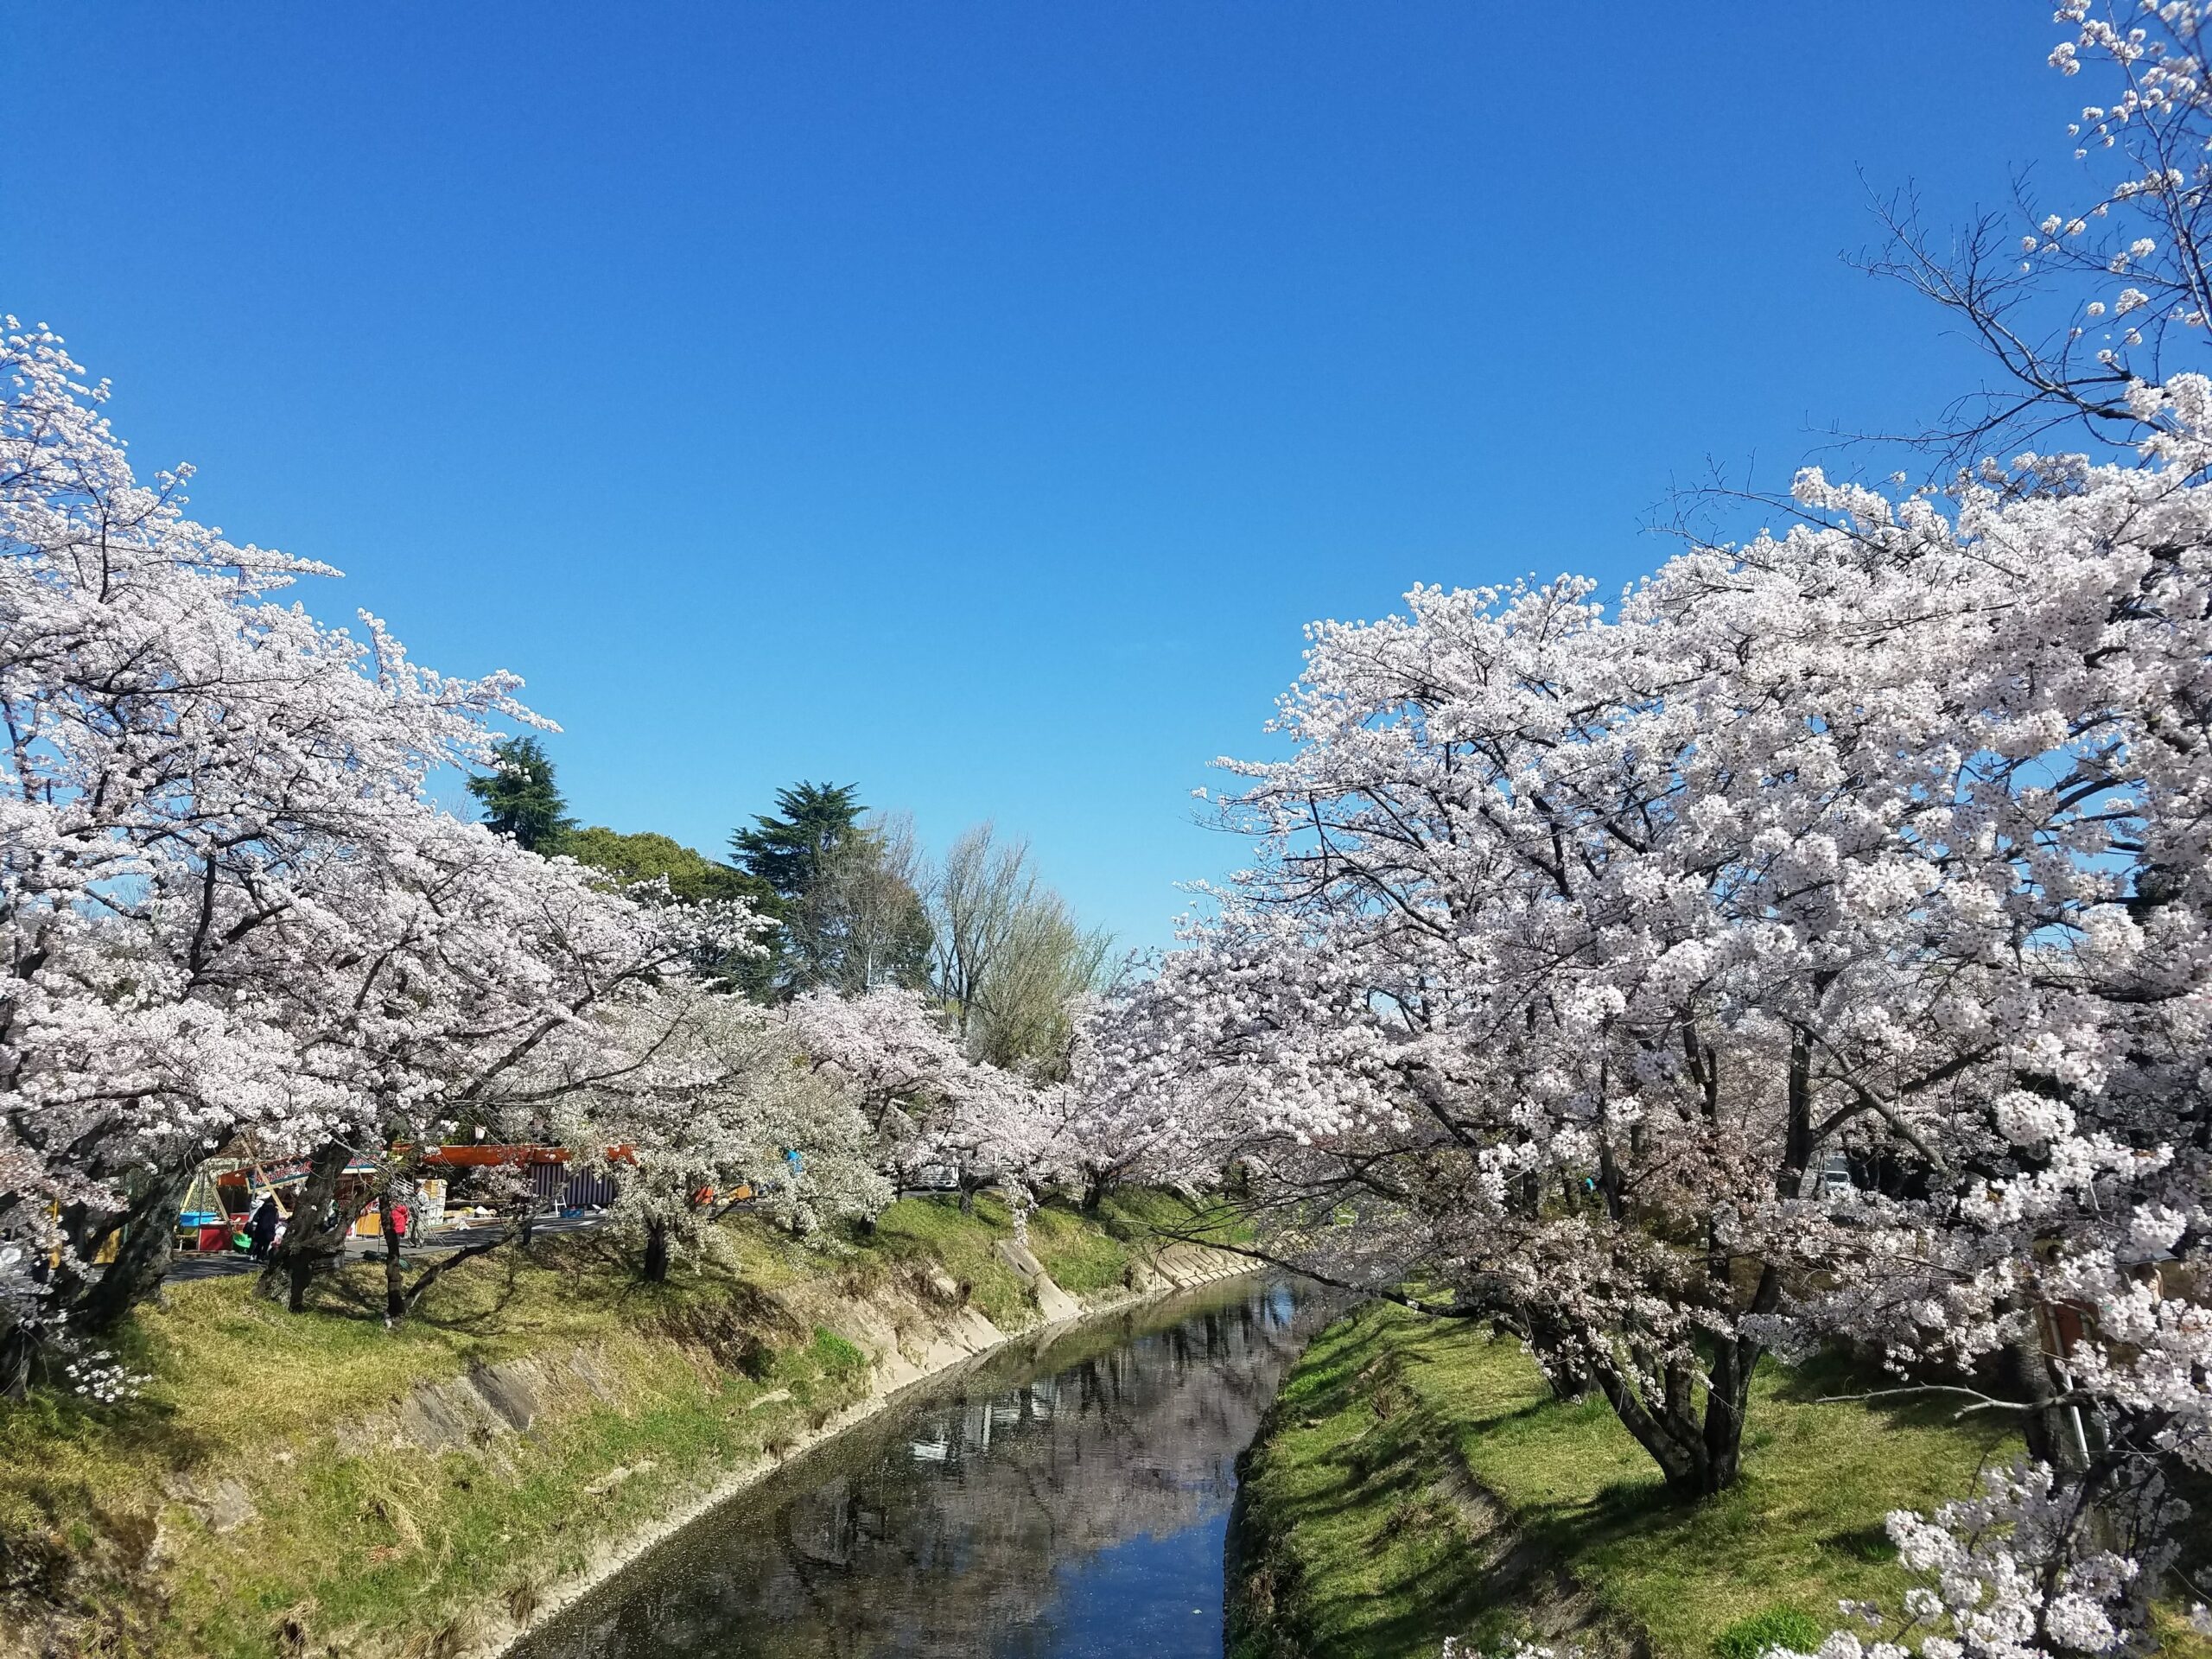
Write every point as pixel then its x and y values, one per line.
pixel 1067 1502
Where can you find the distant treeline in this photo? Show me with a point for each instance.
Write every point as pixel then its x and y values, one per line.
pixel 854 902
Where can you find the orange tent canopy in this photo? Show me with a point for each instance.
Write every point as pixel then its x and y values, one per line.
pixel 485 1155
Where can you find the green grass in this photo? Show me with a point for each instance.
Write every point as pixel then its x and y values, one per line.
pixel 1366 1540
pixel 1080 1253
pixel 1084 1253
pixel 353 1534
pixel 937 1231
pixel 1779 1627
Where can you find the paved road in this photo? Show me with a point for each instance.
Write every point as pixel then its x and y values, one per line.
pixel 191 1264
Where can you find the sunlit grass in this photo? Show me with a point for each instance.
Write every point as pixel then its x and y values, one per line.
pixel 1370 1550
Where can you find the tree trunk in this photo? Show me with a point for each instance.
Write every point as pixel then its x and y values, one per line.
pixel 315 1235
pixel 447 1263
pixel 1699 1453
pixel 1727 1401
pixel 1094 1191
pixel 656 1268
pixel 18 1350
pixel 395 1270
pixel 1563 1365
pixel 141 1259
pixel 2053 1431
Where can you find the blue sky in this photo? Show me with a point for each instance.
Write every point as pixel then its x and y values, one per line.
pixel 974 400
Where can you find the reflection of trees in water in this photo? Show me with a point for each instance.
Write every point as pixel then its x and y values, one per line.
pixel 942 1533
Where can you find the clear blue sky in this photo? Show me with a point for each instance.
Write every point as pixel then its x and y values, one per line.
pixel 974 400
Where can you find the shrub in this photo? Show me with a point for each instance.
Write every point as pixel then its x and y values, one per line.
pixel 835 1354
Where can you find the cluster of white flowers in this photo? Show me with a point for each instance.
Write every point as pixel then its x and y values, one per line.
pixel 2005 1577
pixel 1837 912
pixel 101 1378
pixel 938 1113
pixel 2162 109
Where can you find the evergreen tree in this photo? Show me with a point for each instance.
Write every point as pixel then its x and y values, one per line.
pixel 520 798
pixel 791 850
pixel 849 910
pixel 692 877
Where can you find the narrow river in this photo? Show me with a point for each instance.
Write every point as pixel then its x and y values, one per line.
pixel 1068 1499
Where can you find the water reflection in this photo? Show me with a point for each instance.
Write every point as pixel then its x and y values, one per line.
pixel 1068 1501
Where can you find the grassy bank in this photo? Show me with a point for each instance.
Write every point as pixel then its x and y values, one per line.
pixel 1417 1482
pixel 314 1483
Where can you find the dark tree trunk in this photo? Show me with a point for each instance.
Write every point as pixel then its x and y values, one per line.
pixel 447 1263
pixel 1094 1191
pixel 18 1351
pixel 315 1237
pixel 1564 1366
pixel 1699 1451
pixel 656 1268
pixel 1727 1401
pixel 1569 1383
pixel 395 1270
pixel 142 1258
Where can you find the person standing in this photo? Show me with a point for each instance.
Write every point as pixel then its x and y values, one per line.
pixel 262 1230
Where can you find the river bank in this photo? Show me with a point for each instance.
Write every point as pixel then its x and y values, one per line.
pixel 314 1485
pixel 1415 1481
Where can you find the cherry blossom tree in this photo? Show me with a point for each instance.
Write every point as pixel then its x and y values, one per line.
pixel 477 985
pixel 714 1094
pixel 1135 1109
pixel 181 749
pixel 230 902
pixel 1579 944
pixel 1814 944
pixel 931 1107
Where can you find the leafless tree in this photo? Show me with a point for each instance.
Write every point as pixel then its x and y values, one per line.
pixel 863 924
pixel 1010 955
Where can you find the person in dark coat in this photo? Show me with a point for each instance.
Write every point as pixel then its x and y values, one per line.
pixel 262 1228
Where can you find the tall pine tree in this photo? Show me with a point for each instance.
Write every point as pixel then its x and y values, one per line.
pixel 848 912
pixel 791 850
pixel 519 797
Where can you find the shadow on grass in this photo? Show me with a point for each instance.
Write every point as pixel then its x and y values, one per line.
pixel 1395 1548
pixel 1833 1378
